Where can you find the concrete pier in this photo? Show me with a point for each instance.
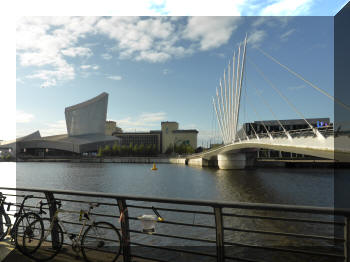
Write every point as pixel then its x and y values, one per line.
pixel 232 161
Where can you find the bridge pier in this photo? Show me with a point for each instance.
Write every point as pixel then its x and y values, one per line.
pixel 233 161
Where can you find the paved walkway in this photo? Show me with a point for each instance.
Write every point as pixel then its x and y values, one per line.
pixel 5 249
pixel 9 254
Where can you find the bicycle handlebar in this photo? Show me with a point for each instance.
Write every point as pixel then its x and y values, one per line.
pixel 56 202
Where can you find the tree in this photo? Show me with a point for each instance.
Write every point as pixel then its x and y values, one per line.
pixel 170 149
pixel 130 150
pixel 123 150
pixel 115 149
pixel 189 149
pixel 135 150
pixel 99 153
pixel 154 150
pixel 107 150
pixel 142 150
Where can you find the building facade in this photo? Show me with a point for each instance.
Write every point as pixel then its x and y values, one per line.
pixel 111 127
pixel 173 136
pixel 140 138
pixel 169 136
pixel 290 124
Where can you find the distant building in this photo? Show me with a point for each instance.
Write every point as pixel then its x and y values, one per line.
pixel 111 127
pixel 140 138
pixel 172 135
pixel 290 124
pixel 168 136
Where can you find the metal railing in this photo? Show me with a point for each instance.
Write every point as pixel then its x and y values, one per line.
pixel 195 230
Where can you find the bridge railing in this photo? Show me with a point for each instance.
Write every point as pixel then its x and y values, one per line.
pixel 196 230
pixel 307 132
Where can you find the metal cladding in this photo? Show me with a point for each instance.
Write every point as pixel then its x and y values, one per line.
pixel 88 117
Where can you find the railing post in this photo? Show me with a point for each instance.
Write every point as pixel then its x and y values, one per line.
pixel 220 247
pixel 124 224
pixel 347 239
pixel 2 209
pixel 52 210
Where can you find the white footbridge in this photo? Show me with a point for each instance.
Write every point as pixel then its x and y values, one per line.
pixel 239 148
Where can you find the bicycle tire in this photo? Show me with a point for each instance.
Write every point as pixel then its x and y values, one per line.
pixel 5 225
pixel 47 251
pixel 101 240
pixel 29 228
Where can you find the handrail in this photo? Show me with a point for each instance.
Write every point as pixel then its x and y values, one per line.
pixel 211 203
pixel 224 223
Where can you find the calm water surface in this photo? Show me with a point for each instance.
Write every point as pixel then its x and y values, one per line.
pixel 307 186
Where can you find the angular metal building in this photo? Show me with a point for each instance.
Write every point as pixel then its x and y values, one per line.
pixel 88 117
pixel 85 122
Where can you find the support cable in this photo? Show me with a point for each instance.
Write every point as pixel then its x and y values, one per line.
pixel 226 107
pixel 229 99
pixel 279 93
pixel 270 109
pixel 223 113
pixel 233 96
pixel 262 122
pixel 236 91
pixel 219 115
pixel 306 81
pixel 241 77
pixel 222 133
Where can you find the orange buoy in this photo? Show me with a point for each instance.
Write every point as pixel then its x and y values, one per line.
pixel 154 167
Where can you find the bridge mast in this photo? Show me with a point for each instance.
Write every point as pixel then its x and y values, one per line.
pixel 239 81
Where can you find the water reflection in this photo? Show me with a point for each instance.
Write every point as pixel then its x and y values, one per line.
pixel 265 185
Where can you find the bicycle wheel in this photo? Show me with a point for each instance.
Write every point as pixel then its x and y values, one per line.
pixel 48 248
pixel 28 233
pixel 101 242
pixel 5 224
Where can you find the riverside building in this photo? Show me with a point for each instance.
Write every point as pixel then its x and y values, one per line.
pixel 169 136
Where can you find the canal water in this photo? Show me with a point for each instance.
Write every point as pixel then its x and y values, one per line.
pixel 307 186
pixel 295 186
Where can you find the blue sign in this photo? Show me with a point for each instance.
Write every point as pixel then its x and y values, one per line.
pixel 321 124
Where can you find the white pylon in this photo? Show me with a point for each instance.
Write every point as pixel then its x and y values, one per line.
pixel 228 101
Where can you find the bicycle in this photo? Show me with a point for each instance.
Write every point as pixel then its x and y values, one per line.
pixel 99 240
pixel 26 228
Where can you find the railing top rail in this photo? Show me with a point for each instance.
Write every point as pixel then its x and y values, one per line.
pixel 210 203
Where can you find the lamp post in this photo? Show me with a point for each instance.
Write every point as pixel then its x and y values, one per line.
pixel 46 150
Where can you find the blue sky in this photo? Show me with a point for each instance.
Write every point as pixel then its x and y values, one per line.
pixel 167 68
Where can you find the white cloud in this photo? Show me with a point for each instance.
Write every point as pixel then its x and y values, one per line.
pixel 287 8
pixel 44 41
pixel 143 122
pixel 23 117
pixel 256 37
pixel 284 36
pixel 85 67
pixel 77 51
pixel 106 56
pixel 143 39
pixel 115 77
pixel 54 128
pixel 165 71
pixel 211 32
pixel 19 80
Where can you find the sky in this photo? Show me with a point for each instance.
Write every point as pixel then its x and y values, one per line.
pixel 166 67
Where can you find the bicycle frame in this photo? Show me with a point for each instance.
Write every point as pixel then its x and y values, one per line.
pixel 76 239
